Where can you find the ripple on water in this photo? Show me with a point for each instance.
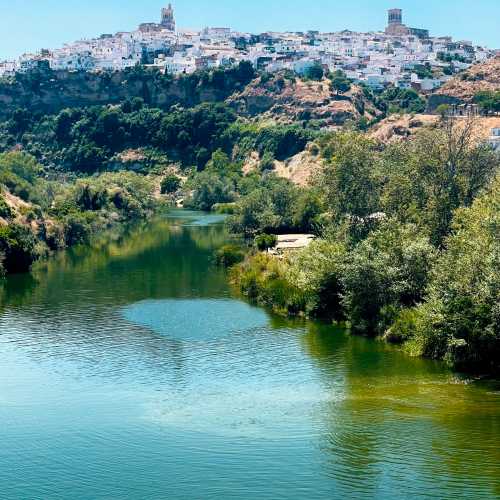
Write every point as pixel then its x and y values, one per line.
pixel 195 319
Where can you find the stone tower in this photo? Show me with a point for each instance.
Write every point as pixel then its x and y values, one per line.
pixel 167 18
pixel 395 17
pixel 396 26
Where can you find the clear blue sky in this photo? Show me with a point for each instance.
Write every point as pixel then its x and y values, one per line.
pixel 27 25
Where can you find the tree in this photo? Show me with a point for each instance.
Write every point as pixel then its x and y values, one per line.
pixel 384 274
pixel 267 162
pixel 208 190
pixel 317 271
pixel 315 72
pixel 443 110
pixel 18 245
pixel 488 101
pixel 460 321
pixel 436 172
pixel 170 184
pixel 265 241
pixel 347 178
pixel 340 84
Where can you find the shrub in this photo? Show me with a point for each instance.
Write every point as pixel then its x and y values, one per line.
pixel 18 245
pixel 264 242
pixel 209 189
pixel 263 279
pixel 460 321
pixel 317 271
pixel 224 208
pixel 229 255
pixel 315 72
pixel 170 184
pixel 5 210
pixel 386 272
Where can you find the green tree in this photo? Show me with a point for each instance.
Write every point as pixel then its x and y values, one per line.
pixel 460 321
pixel 347 178
pixel 18 246
pixel 384 274
pixel 265 241
pixel 208 190
pixel 340 84
pixel 315 72
pixel 436 172
pixel 170 184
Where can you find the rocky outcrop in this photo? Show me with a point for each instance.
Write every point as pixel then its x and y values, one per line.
pixel 51 91
pixel 398 127
pixel 290 100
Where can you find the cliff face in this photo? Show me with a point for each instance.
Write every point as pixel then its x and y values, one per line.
pixel 276 98
pixel 50 92
pixel 286 100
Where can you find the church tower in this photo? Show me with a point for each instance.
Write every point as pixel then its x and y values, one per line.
pixel 167 18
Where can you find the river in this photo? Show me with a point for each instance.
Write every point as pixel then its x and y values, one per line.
pixel 129 370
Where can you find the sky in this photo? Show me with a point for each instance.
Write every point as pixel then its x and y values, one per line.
pixel 28 25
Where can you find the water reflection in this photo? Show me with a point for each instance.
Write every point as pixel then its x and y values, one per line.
pixel 405 418
pixel 134 348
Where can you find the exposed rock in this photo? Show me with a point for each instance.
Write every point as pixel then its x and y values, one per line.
pixel 399 127
pixel 483 76
pixel 289 100
pixel 57 90
pixel 299 169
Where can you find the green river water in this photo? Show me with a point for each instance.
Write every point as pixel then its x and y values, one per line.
pixel 129 370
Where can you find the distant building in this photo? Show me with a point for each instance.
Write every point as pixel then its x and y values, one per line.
pixel 396 27
pixel 395 17
pixel 167 18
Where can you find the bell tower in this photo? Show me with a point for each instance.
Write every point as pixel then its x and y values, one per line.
pixel 167 18
pixel 395 17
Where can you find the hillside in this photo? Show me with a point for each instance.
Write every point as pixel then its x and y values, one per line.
pixel 289 99
pixel 484 76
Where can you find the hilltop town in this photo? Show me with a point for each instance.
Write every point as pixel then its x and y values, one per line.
pixel 399 56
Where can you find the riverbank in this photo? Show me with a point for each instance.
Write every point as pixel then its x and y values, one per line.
pixel 39 216
pixel 396 286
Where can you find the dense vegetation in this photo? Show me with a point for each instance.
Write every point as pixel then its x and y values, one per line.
pixel 488 101
pixel 408 243
pixel 42 215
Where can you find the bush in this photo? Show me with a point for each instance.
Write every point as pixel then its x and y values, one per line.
pixel 229 255
pixel 460 322
pixel 317 272
pixel 267 209
pixel 18 245
pixel 5 210
pixel 264 242
pixel 210 189
pixel 224 208
pixel 403 328
pixel 77 229
pixel 339 83
pixel 170 184
pixel 315 72
pixel 263 278
pixel 385 273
